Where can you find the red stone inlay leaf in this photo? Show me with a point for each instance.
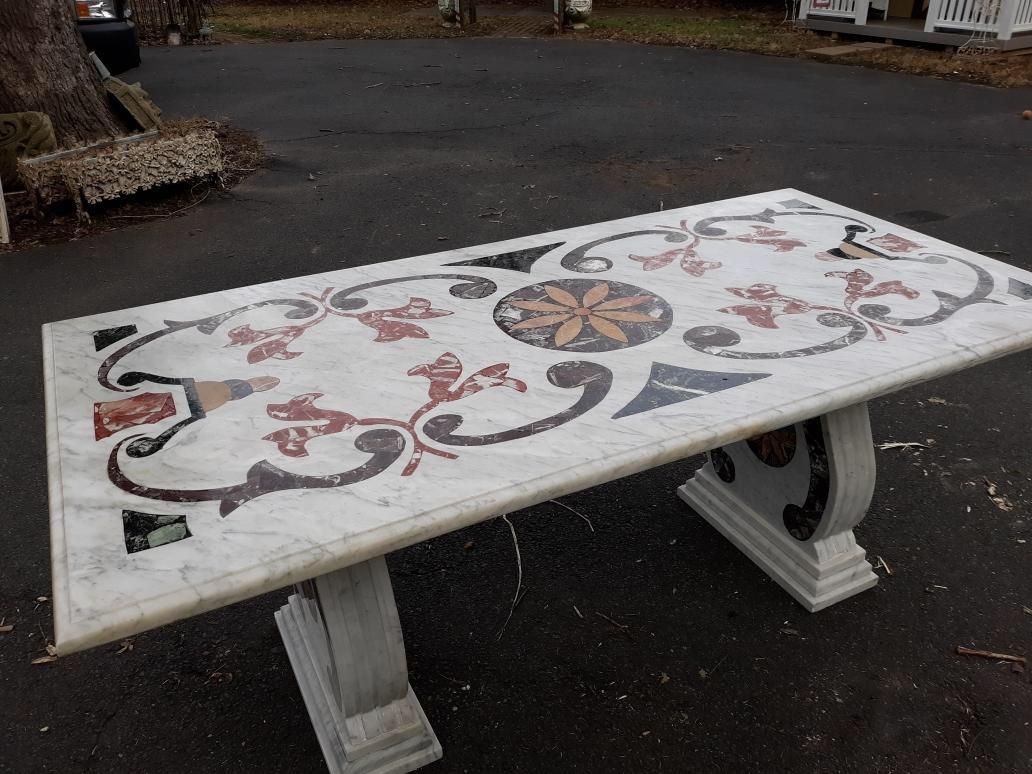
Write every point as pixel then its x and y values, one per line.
pixel 858 280
pixel 274 341
pixel 291 440
pixel 393 330
pixel 143 409
pixel 772 237
pixel 894 243
pixel 443 374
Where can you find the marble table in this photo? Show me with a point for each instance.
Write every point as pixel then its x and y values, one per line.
pixel 209 449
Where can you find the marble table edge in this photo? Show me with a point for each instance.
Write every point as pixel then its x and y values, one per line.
pixel 80 634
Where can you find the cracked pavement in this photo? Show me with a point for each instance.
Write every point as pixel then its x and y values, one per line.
pixel 718 669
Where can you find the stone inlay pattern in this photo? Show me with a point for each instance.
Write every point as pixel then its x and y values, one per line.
pixel 576 315
pixel 301 424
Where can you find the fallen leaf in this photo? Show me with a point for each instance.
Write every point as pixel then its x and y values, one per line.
pixel 790 632
pixel 44 729
pixel 1027 609
pixel 999 500
pixel 44 660
pixel 703 674
pixel 664 678
pixel 937 401
pixel 125 646
pixel 51 650
pixel 902 445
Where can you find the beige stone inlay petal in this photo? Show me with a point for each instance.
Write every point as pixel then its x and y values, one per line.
pixel 537 306
pixel 625 316
pixel 568 331
pixel 621 303
pixel 540 322
pixel 560 295
pixel 606 328
pixel 596 294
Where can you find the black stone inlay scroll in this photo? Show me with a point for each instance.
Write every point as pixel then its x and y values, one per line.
pixel 949 304
pixel 578 259
pixel 707 226
pixel 594 378
pixel 148 445
pixel 669 384
pixel 385 446
pixel 517 260
pixel 471 287
pixel 143 531
pixel 108 336
pixel 715 339
pixel 802 521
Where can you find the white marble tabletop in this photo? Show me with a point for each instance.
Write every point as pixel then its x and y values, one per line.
pixel 205 450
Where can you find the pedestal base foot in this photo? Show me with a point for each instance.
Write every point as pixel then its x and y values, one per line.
pixel 813 585
pixel 349 664
pixel 789 500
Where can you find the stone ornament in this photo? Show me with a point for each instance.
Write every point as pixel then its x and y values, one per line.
pixel 577 12
pixel 23 136
pixel 115 169
pixel 449 10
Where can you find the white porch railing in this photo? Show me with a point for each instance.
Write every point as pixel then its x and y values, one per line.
pixel 1023 16
pixel 843 8
pixel 998 18
pixel 1001 18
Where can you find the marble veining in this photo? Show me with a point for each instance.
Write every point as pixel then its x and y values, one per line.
pixel 208 449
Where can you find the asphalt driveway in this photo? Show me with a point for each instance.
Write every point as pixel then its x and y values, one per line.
pixel 410 143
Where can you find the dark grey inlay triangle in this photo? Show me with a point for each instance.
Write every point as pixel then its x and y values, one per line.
pixel 518 260
pixel 150 530
pixel 1020 289
pixel 797 204
pixel 672 384
pixel 109 336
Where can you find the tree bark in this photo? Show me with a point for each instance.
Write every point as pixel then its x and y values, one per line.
pixel 44 67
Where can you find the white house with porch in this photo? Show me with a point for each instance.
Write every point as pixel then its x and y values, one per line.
pixel 999 24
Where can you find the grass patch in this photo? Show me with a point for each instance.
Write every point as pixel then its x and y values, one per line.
pixel 319 21
pixel 755 32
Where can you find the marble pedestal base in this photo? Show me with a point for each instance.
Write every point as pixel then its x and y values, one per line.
pixel 789 499
pixel 343 638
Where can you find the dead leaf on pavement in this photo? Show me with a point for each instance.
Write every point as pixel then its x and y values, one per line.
pixel 937 401
pixel 664 678
pixel 998 499
pixel 902 445
pixel 124 647
pixel 44 660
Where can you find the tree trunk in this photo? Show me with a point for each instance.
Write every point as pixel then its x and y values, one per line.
pixel 44 66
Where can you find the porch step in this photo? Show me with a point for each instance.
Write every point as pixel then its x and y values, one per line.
pixel 852 48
